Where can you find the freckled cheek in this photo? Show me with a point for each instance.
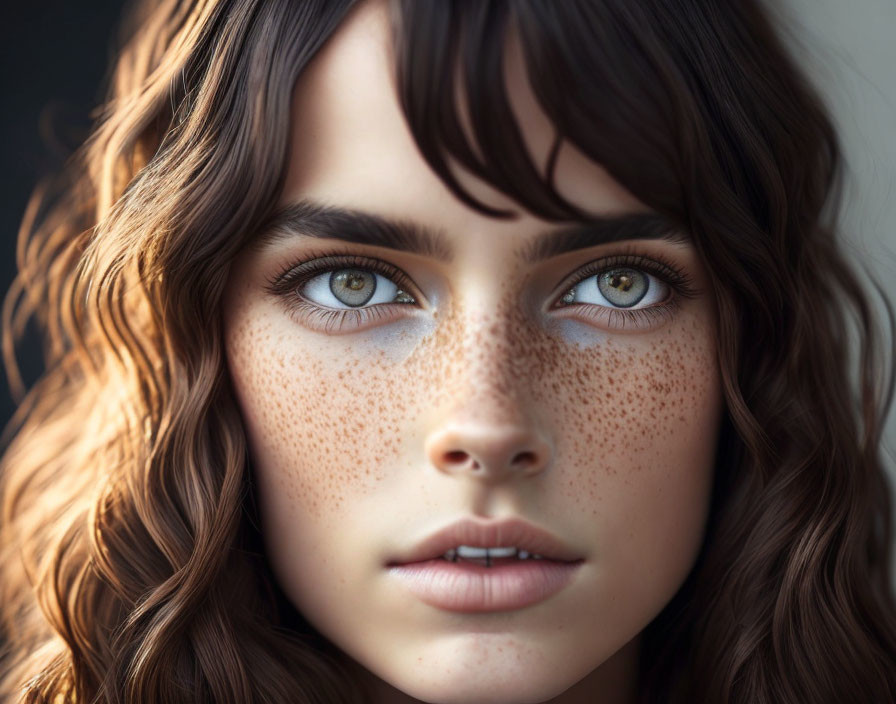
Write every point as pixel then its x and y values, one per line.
pixel 321 427
pixel 637 428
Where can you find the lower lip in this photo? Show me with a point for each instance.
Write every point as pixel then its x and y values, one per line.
pixel 471 588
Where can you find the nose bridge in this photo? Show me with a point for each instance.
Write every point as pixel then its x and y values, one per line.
pixel 487 427
pixel 486 374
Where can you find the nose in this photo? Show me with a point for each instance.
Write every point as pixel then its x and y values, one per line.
pixel 489 452
pixel 485 423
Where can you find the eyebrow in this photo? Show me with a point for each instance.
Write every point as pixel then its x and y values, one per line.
pixel 308 218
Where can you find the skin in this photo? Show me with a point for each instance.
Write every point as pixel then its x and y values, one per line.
pixel 350 431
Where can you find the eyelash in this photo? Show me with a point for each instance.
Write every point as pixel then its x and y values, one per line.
pixel 289 280
pixel 681 285
pixel 286 283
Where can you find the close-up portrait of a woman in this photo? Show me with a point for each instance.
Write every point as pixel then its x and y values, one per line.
pixel 448 351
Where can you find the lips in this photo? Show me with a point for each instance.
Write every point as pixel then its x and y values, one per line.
pixel 490 585
pixel 470 532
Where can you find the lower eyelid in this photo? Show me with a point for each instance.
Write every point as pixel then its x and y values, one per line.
pixel 335 320
pixel 622 318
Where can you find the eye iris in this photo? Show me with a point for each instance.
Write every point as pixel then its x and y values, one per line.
pixel 353 287
pixel 623 287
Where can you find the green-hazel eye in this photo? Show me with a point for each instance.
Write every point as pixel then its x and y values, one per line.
pixel 619 287
pixel 352 287
pixel 623 287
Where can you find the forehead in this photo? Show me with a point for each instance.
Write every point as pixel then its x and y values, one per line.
pixel 350 143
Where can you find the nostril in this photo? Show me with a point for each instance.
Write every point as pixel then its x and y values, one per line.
pixel 488 452
pixel 523 458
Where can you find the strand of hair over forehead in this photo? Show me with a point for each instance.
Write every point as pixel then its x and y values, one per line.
pixel 451 72
pixel 451 68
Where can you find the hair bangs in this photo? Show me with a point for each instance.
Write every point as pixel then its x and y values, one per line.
pixel 579 61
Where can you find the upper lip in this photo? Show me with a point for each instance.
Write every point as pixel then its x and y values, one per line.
pixel 475 533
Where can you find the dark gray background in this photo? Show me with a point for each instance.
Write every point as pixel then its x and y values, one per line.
pixel 53 60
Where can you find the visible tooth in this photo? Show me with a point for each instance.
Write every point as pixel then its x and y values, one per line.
pixel 501 552
pixel 467 551
pixel 476 553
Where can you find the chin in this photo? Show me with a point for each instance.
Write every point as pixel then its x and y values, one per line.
pixel 508 674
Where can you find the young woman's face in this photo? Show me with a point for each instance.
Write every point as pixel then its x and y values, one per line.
pixel 393 386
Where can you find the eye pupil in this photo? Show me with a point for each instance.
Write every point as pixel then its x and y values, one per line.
pixel 623 287
pixel 623 282
pixel 353 287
